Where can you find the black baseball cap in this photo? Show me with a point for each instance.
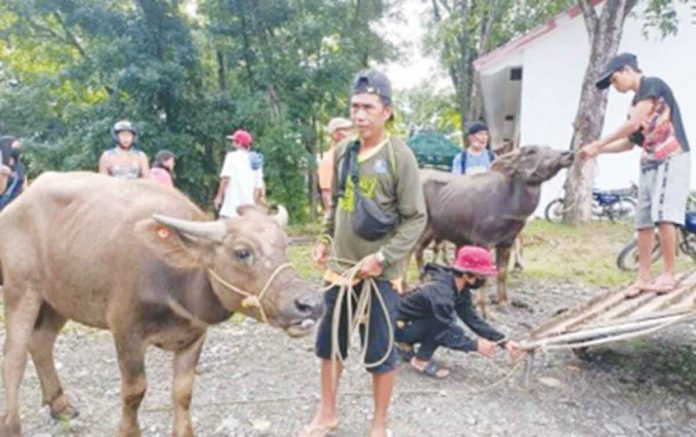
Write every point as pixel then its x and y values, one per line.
pixel 476 127
pixel 373 82
pixel 617 62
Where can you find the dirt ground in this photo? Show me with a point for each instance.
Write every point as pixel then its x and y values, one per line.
pixel 255 381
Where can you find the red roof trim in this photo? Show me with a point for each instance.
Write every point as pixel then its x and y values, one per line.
pixel 528 37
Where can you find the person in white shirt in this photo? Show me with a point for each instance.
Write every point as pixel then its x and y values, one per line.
pixel 241 178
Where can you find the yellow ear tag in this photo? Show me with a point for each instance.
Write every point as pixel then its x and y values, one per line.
pixel 163 232
pixel 250 302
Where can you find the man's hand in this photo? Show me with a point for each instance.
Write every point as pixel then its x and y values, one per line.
pixel 589 151
pixel 485 347
pixel 217 202
pixel 513 350
pixel 321 255
pixel 371 266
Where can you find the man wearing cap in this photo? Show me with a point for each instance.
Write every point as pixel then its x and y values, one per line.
pixel 429 315
pixel 477 158
pixel 654 124
pixel 240 182
pixel 339 129
pixel 387 175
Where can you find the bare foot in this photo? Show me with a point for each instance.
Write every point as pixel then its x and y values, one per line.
pixel 379 430
pixel 322 425
pixel 316 430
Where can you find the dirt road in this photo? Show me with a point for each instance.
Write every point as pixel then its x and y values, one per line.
pixel 254 381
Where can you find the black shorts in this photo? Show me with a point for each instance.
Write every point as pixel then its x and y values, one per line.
pixel 378 338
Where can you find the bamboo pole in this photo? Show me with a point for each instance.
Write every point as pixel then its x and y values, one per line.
pixel 639 318
pixel 603 331
pixel 626 336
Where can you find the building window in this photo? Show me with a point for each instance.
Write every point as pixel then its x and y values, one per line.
pixel 516 74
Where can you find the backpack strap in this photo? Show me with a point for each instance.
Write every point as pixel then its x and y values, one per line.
pixel 392 157
pixel 10 192
pixel 350 165
pixel 462 162
pixel 491 155
pixel 351 149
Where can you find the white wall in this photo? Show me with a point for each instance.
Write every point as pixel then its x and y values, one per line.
pixel 554 65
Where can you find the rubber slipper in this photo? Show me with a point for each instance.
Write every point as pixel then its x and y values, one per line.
pixel 431 369
pixel 406 355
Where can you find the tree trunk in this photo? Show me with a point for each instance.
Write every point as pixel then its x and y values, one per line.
pixel 485 27
pixel 604 33
pixel 311 140
pixel 459 72
pixel 221 70
pixel 464 65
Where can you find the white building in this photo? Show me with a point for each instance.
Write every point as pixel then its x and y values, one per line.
pixel 531 87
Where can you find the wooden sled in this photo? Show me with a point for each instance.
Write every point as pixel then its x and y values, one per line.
pixel 612 317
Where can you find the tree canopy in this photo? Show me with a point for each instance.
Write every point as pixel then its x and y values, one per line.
pixel 185 73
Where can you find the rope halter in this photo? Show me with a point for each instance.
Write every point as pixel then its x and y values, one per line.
pixel 251 300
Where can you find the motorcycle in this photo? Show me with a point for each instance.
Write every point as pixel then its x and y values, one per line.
pixel 612 204
pixel 686 239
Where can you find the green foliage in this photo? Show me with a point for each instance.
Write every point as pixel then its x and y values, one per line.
pixel 660 17
pixel 426 108
pixel 280 68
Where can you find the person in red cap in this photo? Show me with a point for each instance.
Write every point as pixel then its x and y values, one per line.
pixel 241 178
pixel 429 315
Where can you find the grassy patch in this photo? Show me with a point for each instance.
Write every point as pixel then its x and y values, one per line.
pixel 306 229
pixel 580 254
pixel 585 254
pixel 301 257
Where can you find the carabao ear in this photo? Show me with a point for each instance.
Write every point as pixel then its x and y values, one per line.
pixel 179 248
pixel 509 163
pixel 530 161
pixel 281 216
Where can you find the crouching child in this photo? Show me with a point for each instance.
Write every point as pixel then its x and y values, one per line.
pixel 428 316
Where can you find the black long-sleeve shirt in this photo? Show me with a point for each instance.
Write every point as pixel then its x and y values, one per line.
pixel 440 300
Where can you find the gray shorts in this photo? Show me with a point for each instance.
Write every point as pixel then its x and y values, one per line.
pixel 662 192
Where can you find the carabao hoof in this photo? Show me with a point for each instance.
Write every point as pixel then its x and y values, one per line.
pixel 66 413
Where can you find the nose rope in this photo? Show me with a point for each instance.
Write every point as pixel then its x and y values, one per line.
pixel 251 300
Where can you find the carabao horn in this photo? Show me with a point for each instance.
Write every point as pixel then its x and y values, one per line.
pixel 211 230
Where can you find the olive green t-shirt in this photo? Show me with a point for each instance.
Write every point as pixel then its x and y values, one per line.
pixel 389 176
